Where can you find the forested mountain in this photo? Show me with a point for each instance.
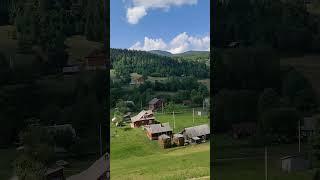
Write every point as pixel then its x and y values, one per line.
pixel 145 63
pixel 161 53
pixel 200 56
pixel 284 25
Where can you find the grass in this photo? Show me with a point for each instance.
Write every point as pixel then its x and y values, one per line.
pixel 252 167
pixel 6 162
pixel 134 156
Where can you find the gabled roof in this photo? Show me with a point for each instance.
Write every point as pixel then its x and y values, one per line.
pixel 96 170
pixel 158 128
pixel 141 115
pixel 154 100
pixel 197 130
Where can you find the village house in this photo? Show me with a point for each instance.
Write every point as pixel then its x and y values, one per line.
pixel 97 59
pixel 164 141
pixel 155 104
pixel 244 129
pixel 155 130
pixel 309 126
pixel 99 170
pixel 197 133
pixel 143 118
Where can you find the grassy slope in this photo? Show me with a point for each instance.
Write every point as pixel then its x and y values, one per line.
pixel 134 156
pixel 6 160
pixel 252 168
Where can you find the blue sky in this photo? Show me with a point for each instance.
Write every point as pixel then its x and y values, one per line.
pixel 172 25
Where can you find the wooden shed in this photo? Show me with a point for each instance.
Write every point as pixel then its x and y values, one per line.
pixel 164 141
pixel 178 139
pixel 294 163
pixel 143 118
pixel 155 130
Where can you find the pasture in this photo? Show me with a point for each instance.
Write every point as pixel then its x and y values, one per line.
pixel 247 162
pixel 134 156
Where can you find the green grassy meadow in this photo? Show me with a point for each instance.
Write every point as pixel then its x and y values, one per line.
pixel 134 156
pixel 247 162
pixel 6 162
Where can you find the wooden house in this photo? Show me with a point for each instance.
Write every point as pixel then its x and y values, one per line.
pixel 178 139
pixel 155 104
pixel 143 118
pixel 309 126
pixel 99 170
pixel 196 133
pixel 155 130
pixel 243 129
pixel 164 141
pixel 97 59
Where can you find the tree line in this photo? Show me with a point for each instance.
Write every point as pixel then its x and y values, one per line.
pixel 283 25
pixel 126 61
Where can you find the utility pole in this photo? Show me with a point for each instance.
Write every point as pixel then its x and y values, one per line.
pixel 174 121
pixel 266 162
pixel 162 107
pixel 299 129
pixel 193 115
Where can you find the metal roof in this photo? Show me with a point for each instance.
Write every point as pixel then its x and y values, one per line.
pixel 197 131
pixel 157 128
pixel 154 100
pixel 142 116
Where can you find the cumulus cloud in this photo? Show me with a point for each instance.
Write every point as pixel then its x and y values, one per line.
pixel 179 44
pixel 139 8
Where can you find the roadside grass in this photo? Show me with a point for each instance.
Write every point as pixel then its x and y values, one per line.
pixel 247 162
pixel 6 162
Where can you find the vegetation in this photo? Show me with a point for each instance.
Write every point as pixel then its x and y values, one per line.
pixel 135 156
pixel 125 62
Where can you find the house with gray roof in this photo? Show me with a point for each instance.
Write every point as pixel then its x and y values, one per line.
pixel 155 130
pixel 196 133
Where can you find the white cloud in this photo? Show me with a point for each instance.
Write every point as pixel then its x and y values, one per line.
pixel 179 44
pixel 135 13
pixel 140 7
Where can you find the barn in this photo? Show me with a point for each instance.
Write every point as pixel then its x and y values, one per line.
pixel 143 118
pixel 164 141
pixel 155 104
pixel 196 133
pixel 178 139
pixel 155 130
